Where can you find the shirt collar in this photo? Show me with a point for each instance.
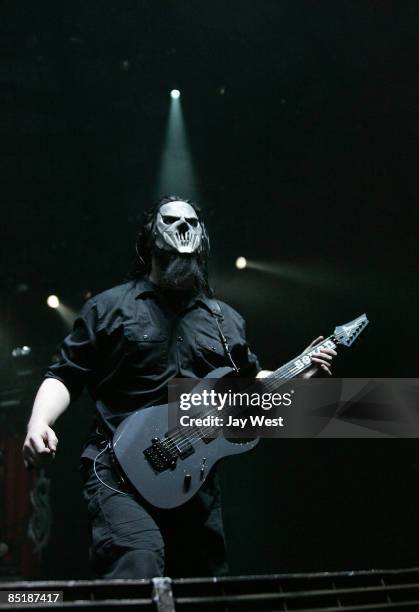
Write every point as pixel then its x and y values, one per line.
pixel 144 286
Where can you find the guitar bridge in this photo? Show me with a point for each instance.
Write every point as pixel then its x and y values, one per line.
pixel 163 454
pixel 160 456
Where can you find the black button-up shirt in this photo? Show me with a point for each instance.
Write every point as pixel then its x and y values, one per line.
pixel 127 343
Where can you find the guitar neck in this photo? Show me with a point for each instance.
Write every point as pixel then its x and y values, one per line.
pixel 299 364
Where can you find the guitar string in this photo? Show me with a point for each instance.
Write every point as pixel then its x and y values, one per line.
pixel 182 440
pixel 187 438
pixel 288 370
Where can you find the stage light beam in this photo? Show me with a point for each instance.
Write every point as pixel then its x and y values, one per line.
pixel 53 301
pixel 241 263
pixel 176 173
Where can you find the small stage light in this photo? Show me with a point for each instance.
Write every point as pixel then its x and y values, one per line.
pixel 175 94
pixel 21 351
pixel 53 301
pixel 241 263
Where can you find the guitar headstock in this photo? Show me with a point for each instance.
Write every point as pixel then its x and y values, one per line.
pixel 348 333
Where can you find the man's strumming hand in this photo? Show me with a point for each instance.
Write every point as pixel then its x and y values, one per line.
pixel 40 445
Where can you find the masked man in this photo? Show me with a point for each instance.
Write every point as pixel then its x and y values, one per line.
pixel 127 343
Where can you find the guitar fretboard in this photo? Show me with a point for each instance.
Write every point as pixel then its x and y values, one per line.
pixel 297 365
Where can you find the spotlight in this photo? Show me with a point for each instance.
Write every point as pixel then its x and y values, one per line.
pixel 175 94
pixel 53 301
pixel 241 263
pixel 21 351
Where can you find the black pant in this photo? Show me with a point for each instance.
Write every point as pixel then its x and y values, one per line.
pixel 132 539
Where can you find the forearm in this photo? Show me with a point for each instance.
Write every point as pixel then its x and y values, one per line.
pixel 50 402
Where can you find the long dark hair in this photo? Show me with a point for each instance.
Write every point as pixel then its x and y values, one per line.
pixel 143 246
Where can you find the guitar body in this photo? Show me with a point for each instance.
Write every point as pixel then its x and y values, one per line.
pixel 167 469
pixel 173 486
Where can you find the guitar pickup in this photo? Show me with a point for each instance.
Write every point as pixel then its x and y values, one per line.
pixel 182 447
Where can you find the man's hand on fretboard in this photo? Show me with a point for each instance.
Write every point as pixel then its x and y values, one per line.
pixel 321 360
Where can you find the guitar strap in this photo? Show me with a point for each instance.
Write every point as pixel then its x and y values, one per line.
pixel 219 318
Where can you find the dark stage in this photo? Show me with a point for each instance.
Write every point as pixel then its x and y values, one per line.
pixel 293 127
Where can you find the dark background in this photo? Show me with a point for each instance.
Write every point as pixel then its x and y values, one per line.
pixel 306 161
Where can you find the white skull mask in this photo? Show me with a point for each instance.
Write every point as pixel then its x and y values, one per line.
pixel 177 228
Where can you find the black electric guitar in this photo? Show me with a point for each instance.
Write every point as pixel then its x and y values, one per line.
pixel 168 474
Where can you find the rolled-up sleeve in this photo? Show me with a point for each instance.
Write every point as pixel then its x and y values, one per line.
pixel 77 358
